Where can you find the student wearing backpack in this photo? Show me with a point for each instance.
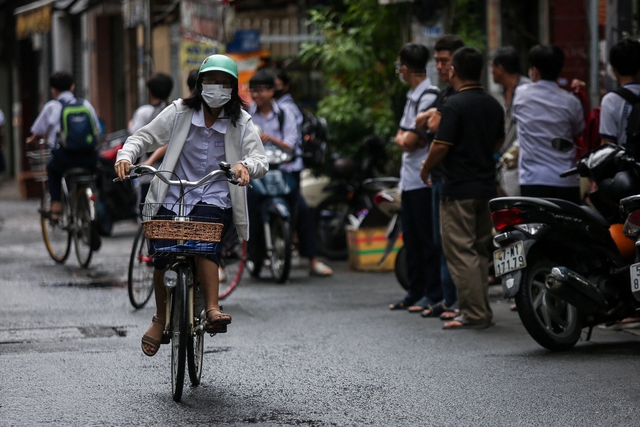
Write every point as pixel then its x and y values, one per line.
pixel 160 86
pixel 279 127
pixel 73 146
pixel 303 221
pixel 616 106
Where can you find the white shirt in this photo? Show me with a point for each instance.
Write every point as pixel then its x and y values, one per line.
pixel 614 114
pixel 543 111
pixel 202 152
pixel 412 160
pixel 143 116
pixel 47 123
pixel 289 132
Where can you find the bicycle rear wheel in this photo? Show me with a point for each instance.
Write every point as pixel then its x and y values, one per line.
pixel 232 261
pixel 56 235
pixel 179 331
pixel 83 229
pixel 140 277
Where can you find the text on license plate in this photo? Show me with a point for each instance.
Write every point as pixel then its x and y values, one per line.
pixel 509 259
pixel 634 272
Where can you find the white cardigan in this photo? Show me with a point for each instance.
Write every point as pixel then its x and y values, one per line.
pixel 242 144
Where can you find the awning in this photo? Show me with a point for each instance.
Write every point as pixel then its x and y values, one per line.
pixel 35 17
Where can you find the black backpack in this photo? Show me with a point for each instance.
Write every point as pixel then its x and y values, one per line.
pixel 313 137
pixel 633 122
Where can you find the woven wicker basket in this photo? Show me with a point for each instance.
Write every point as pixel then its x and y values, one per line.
pixel 183 230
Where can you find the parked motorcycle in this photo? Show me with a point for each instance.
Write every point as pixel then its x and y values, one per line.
pixel 350 193
pixel 390 202
pixel 567 266
pixel 270 212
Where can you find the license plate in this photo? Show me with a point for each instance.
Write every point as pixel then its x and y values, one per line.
pixel 634 272
pixel 509 259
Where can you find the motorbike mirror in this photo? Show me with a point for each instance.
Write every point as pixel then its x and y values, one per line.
pixel 562 145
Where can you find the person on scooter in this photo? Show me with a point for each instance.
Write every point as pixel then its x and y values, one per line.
pixel 279 127
pixel 208 127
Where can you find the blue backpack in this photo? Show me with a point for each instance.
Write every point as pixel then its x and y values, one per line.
pixel 78 131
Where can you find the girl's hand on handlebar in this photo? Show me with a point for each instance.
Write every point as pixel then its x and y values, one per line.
pixel 242 174
pixel 122 169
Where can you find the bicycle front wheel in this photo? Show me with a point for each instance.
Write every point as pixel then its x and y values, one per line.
pixel 179 331
pixel 83 229
pixel 232 260
pixel 140 277
pixel 195 346
pixel 56 235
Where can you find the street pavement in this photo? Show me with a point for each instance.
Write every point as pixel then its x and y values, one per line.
pixel 312 352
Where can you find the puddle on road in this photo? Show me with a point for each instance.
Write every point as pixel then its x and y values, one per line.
pixel 89 284
pixel 24 336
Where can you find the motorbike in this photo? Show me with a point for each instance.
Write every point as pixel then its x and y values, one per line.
pixel 270 201
pixel 117 201
pixel 568 266
pixel 351 191
pixel 389 202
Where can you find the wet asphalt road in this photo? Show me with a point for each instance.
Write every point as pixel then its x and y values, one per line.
pixel 313 352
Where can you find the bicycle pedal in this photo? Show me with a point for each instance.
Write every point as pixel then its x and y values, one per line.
pixel 215 329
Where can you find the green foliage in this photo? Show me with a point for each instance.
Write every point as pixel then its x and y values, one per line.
pixel 464 19
pixel 357 59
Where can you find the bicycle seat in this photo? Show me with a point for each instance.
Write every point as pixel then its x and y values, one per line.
pixel 80 174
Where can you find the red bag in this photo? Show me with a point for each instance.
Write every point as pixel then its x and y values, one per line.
pixel 590 138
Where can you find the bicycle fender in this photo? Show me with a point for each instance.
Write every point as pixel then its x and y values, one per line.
pixel 92 205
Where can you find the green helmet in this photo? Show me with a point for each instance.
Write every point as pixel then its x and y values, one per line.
pixel 219 63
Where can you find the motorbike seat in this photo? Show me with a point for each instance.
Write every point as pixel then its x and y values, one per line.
pixel 582 211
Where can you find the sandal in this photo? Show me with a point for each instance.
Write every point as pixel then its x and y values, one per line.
pixel 462 322
pixel 403 304
pixel 217 317
pixel 435 310
pixel 449 314
pixel 152 342
pixel 421 305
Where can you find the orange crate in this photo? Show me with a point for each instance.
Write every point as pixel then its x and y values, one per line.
pixel 366 246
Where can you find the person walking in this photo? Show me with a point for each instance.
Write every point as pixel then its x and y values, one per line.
pixel 470 131
pixel 546 115
pixel 208 127
pixel 423 262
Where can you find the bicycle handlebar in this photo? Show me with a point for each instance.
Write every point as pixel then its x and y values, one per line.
pixel 225 169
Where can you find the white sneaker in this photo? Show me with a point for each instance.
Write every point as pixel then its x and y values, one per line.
pixel 222 275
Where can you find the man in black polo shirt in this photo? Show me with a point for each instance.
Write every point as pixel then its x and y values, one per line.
pixel 471 130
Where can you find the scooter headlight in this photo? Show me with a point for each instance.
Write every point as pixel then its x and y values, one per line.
pixel 531 229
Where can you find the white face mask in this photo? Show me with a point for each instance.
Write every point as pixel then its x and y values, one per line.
pixel 215 95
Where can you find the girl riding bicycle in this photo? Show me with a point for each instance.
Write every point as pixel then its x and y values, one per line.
pixel 206 128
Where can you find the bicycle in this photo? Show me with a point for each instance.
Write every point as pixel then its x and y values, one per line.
pixel 186 323
pixel 77 218
pixel 233 257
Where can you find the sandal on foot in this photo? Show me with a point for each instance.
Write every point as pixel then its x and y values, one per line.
pixel 152 342
pixel 462 322
pixel 215 316
pixel 320 269
pixel 417 307
pixel 449 314
pixel 435 310
pixel 403 304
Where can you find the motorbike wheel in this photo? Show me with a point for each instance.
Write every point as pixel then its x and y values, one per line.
pixel 401 269
pixel 281 254
pixel 551 321
pixel 331 217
